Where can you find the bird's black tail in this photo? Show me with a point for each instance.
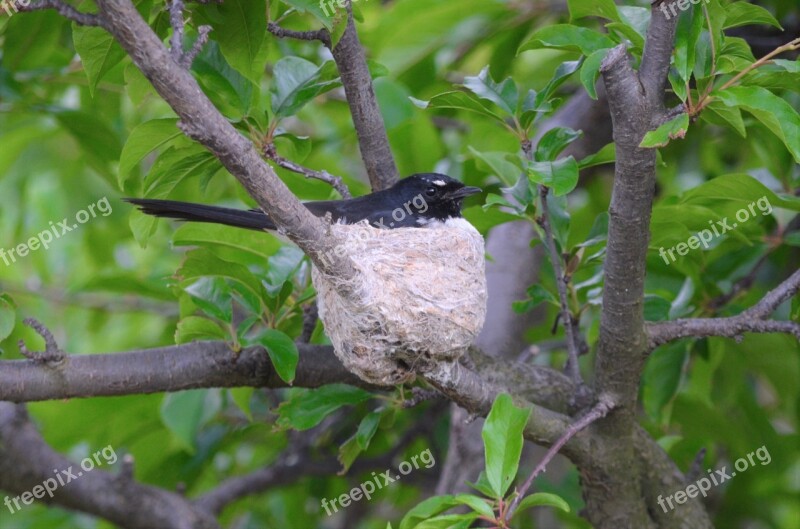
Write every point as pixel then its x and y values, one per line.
pixel 250 219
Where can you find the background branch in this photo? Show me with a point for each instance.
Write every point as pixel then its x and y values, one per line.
pixel 367 118
pixel 26 461
pixel 65 10
pixel 751 320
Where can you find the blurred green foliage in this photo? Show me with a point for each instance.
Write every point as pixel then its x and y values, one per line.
pixel 78 122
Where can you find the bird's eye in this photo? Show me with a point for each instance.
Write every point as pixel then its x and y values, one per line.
pixel 431 191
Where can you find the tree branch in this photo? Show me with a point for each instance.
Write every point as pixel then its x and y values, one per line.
pixel 636 101
pixel 604 405
pixel 175 368
pixel 367 118
pixel 65 10
pixel 357 81
pixel 297 463
pixel 751 320
pixel 26 461
pixel 474 393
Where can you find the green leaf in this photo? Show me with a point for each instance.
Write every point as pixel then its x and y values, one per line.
pixel 775 113
pixel 185 411
pixel 497 163
pixel 305 408
pixel 554 141
pixel 196 328
pixel 661 377
pixel 240 28
pixel 314 7
pixel 98 142
pixel 449 521
pixel 567 37
pixel 605 155
pixel 746 14
pixel 562 73
pixel 627 32
pixel 504 94
pixel 690 26
pixel 359 442
pixel 718 113
pixel 8 316
pixel 213 295
pixel 144 139
pixel 725 194
pixel 282 351
pixel 672 129
pixel 202 262
pixel 229 90
pixel 536 295
pixel 541 499
pixel 477 504
pixel 367 428
pixel 734 56
pixel 593 8
pixel 258 244
pixel 297 81
pixel 241 397
pixel 599 231
pixel 98 50
pixel 482 485
pixel 175 165
pixel 502 438
pixel 560 175
pixel 427 509
pixel 656 308
pixel 461 101
pixel 590 71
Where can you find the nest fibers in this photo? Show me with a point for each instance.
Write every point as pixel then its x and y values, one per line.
pixel 418 297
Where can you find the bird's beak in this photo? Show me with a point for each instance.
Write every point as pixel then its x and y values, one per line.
pixel 465 192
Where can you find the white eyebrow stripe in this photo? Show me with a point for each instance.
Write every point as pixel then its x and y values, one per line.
pixel 439 183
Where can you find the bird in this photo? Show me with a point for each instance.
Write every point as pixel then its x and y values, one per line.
pixel 416 294
pixel 422 200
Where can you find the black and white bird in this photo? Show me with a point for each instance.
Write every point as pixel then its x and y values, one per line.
pixel 415 297
pixel 419 201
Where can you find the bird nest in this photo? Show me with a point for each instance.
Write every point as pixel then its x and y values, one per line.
pixel 418 297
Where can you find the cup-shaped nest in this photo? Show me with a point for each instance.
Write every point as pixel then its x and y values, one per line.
pixel 418 297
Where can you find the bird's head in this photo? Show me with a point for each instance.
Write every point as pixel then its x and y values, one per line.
pixel 434 196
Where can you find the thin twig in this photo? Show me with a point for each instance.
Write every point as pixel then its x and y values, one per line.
pixel 184 58
pixel 177 23
pixel 572 367
pixel 65 10
pixel 334 181
pixel 789 46
pixel 751 320
pixel 604 405
pixel 321 35
pixel 51 354
pixel 202 38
